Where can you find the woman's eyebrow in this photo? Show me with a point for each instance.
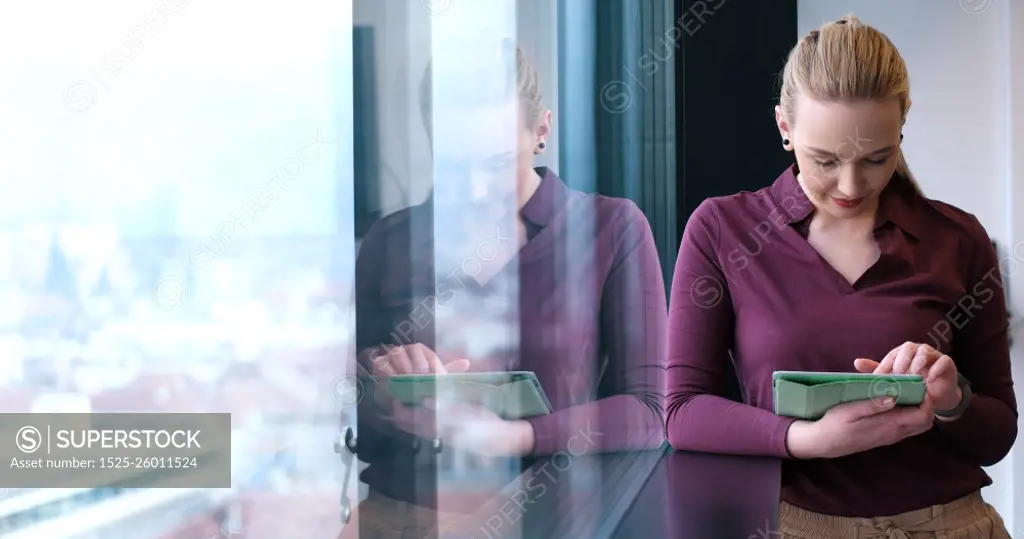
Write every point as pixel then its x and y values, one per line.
pixel 885 149
pixel 826 153
pixel 501 157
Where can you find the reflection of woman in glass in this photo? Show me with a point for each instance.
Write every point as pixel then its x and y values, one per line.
pixel 591 307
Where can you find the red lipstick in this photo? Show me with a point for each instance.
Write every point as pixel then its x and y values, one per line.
pixel 847 202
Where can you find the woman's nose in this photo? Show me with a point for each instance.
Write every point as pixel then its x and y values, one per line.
pixel 850 181
pixel 479 186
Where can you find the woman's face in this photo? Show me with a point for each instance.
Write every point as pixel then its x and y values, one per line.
pixel 486 155
pixel 481 157
pixel 846 152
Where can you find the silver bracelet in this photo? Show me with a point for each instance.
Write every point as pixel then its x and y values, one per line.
pixel 965 399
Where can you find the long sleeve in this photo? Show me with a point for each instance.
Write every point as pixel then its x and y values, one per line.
pixel 372 335
pixel 700 333
pixel 981 351
pixel 629 412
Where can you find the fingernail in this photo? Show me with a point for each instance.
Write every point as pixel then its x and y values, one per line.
pixel 888 402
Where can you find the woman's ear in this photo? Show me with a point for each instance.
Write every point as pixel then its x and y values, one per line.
pixel 780 121
pixel 544 126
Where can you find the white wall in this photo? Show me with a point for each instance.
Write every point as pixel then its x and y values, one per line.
pixel 964 136
pixel 1014 206
pixel 403 42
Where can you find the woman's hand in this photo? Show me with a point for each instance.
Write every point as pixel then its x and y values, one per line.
pixel 858 426
pixel 936 368
pixel 414 359
pixel 407 359
pixel 468 427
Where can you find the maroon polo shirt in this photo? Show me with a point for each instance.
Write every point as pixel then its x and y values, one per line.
pixel 591 320
pixel 747 280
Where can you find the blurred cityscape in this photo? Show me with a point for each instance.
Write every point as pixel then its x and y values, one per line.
pixel 95 321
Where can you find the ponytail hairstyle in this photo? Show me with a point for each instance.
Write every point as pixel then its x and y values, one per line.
pixel 848 60
pixel 487 90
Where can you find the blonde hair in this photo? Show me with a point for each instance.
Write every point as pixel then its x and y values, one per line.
pixel 485 90
pixel 848 60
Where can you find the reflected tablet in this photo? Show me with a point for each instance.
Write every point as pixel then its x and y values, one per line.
pixel 510 395
pixel 808 395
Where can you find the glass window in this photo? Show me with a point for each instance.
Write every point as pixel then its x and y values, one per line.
pixel 539 307
pixel 177 223
pixel 277 210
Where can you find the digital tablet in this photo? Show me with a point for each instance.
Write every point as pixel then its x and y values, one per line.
pixel 510 395
pixel 808 395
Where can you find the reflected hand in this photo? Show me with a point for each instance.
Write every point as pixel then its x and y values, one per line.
pixel 469 427
pixel 414 359
pixel 407 359
pixel 937 369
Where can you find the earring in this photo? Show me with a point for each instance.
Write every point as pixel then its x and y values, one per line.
pixel 901 137
pixel 785 143
pixel 540 147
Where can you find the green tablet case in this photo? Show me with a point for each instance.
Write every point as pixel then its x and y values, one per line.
pixel 510 395
pixel 808 395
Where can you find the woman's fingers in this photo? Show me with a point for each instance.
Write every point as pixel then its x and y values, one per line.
pixel 865 365
pixel 415 359
pixel 923 359
pixel 885 366
pixel 904 357
pixel 908 358
pixel 400 363
pixel 410 359
pixel 384 363
pixel 459 365
pixel 943 366
pixel 420 358
pixel 435 365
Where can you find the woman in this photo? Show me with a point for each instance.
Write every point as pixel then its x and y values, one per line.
pixel 843 265
pixel 590 301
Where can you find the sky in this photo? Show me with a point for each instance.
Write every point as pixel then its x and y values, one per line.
pixel 113 110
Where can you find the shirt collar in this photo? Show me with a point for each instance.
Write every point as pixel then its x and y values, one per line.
pixel 540 210
pixel 547 201
pixel 897 204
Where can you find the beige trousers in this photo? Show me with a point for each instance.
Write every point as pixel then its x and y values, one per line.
pixel 966 518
